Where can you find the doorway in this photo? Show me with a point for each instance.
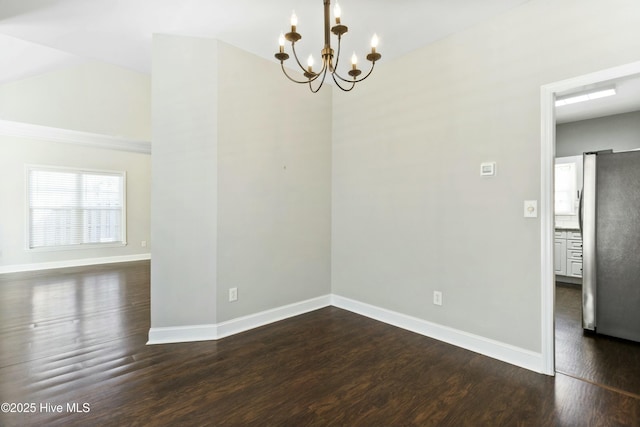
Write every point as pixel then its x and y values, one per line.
pixel 548 153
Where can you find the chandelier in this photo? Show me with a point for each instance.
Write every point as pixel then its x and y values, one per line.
pixel 328 66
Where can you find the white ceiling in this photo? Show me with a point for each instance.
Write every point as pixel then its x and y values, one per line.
pixel 40 35
pixel 22 59
pixel 119 31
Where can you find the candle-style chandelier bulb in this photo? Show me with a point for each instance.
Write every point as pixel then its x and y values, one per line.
pixel 327 54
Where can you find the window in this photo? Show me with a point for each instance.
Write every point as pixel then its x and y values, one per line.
pixel 565 189
pixel 70 208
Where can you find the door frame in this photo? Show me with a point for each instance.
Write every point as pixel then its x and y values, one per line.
pixel 548 146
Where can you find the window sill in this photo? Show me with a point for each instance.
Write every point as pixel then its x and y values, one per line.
pixel 77 247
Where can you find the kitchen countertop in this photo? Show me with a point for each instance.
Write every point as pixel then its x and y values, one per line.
pixel 567 225
pixel 567 228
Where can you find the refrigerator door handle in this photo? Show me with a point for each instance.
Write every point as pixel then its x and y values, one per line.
pixel 580 207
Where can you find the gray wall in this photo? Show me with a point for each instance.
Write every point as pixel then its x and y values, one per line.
pixel 274 173
pixel 241 185
pixel 620 132
pixel 411 214
pixel 184 181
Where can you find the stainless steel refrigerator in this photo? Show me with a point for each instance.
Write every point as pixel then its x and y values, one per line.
pixel 610 225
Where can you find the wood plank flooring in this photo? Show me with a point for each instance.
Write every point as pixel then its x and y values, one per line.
pixel 77 336
pixel 610 362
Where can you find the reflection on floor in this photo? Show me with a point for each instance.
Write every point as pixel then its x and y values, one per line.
pixel 73 353
pixel 610 362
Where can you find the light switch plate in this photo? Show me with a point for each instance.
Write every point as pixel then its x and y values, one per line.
pixel 488 169
pixel 530 208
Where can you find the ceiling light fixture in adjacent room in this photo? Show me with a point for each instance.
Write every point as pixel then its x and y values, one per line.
pixel 327 54
pixel 586 96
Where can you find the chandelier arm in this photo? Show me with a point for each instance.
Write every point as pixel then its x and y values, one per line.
pixel 291 78
pixel 304 70
pixel 353 84
pixel 373 64
pixel 335 69
pixel 322 72
pixel 324 75
pixel 336 74
pixel 295 55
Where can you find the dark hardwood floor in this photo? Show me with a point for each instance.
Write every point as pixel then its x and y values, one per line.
pixel 77 336
pixel 610 362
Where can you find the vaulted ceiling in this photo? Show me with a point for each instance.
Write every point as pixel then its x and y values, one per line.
pixel 40 34
pixel 37 36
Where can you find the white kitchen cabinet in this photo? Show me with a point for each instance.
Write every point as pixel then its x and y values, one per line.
pixel 560 256
pixel 568 253
pixel 575 268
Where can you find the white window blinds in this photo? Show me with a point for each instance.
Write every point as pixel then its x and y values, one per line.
pixel 71 208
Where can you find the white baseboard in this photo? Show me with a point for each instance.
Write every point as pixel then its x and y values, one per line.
pixel 497 350
pixel 245 323
pixel 177 334
pixel 19 268
pixel 165 335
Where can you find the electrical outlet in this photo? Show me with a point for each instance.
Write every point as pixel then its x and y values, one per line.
pixel 143 243
pixel 233 294
pixel 437 297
